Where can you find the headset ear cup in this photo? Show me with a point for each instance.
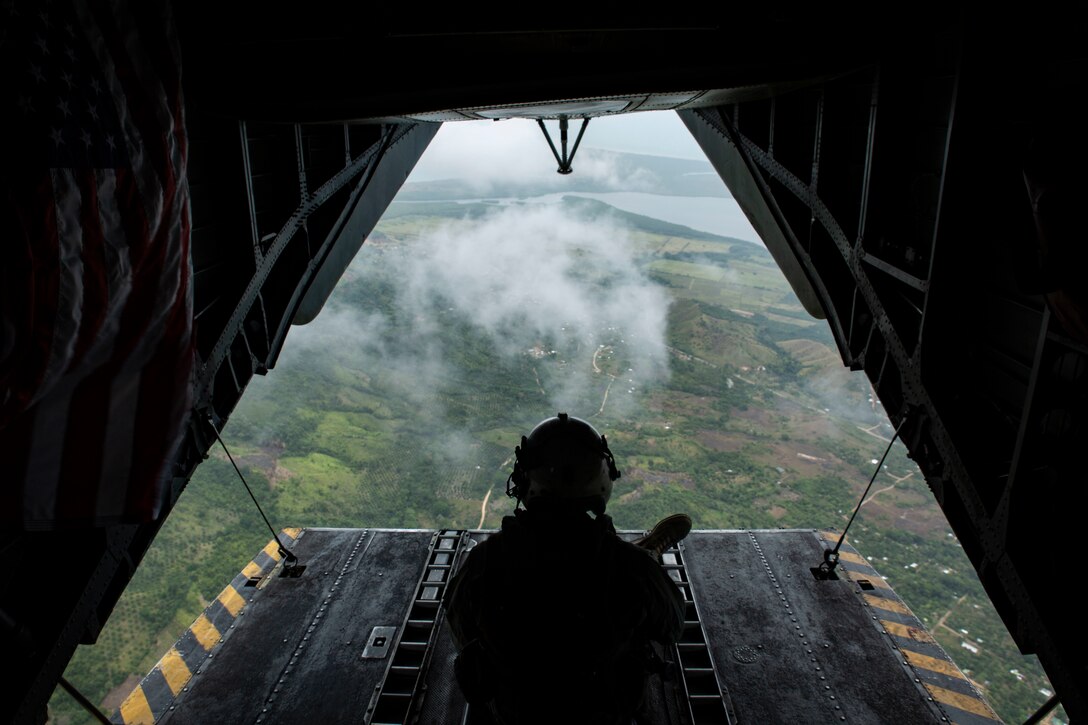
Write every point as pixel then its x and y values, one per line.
pixel 520 481
pixel 518 476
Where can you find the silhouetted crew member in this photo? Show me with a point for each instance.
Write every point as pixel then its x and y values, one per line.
pixel 554 615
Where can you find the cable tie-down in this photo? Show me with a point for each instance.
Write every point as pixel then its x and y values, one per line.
pixel 291 567
pixel 826 570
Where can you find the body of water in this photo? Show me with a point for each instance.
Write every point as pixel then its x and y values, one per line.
pixel 717 215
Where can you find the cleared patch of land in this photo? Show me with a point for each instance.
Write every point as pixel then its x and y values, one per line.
pixel 757 425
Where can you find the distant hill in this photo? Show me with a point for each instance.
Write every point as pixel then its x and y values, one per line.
pixel 651 174
pixel 401 404
pixel 649 224
pixel 575 204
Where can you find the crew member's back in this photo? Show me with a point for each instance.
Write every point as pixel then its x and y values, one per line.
pixel 554 615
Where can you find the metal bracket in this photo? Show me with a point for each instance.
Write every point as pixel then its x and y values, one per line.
pixel 563 160
pixel 379 643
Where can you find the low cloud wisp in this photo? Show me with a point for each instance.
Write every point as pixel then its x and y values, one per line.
pixel 538 291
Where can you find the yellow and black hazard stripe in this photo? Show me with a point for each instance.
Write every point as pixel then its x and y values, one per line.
pixel 945 685
pixel 157 691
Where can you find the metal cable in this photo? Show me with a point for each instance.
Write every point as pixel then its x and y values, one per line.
pixel 87 704
pixel 284 551
pixel 1043 711
pixel 831 556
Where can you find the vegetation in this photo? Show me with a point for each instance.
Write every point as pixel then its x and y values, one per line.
pixel 756 426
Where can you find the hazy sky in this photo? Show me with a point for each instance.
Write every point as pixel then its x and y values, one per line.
pixel 658 133
pixel 515 149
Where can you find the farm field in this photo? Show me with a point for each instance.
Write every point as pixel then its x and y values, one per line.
pixel 401 405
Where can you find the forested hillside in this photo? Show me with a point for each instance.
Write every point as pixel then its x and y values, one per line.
pixel 460 326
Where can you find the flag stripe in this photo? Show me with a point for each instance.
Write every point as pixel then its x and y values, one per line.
pixel 96 295
pixel 150 447
pixel 116 259
pixel 83 451
pixel 135 228
pixel 69 270
pixel 168 372
pixel 96 389
pixel 26 378
pixel 44 456
pixel 118 437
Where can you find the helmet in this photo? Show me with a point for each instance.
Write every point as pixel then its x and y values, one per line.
pixel 563 459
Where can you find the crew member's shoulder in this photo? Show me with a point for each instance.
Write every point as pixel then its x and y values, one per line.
pixel 629 552
pixel 492 543
pixel 495 540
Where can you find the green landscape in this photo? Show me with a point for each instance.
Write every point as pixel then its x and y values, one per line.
pixel 465 321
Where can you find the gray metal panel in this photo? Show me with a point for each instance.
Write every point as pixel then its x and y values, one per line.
pixel 392 169
pixel 296 655
pixel 790 648
pixel 787 647
pixel 738 178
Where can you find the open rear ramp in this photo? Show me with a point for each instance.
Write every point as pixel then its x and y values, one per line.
pixel 358 636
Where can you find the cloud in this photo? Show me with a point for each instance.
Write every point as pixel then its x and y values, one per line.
pixel 540 289
pixel 538 278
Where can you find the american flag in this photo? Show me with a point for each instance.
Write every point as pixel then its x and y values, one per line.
pixel 95 275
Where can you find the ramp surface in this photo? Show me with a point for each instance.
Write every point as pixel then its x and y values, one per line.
pixel 359 637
